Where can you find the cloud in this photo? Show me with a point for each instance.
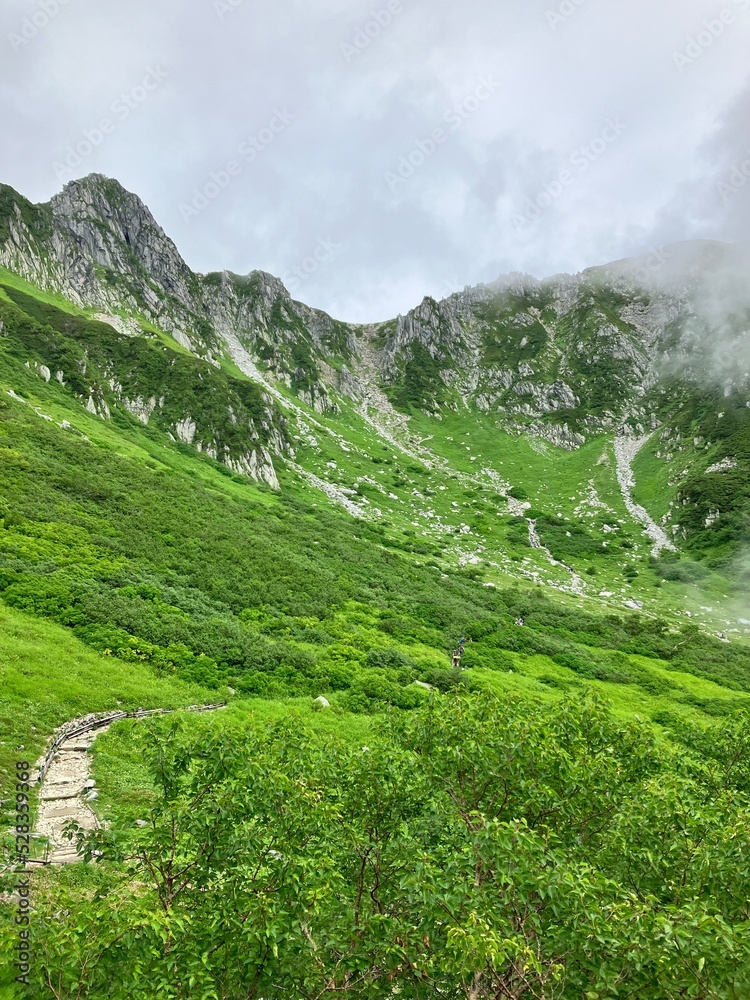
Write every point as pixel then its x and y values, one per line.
pixel 230 67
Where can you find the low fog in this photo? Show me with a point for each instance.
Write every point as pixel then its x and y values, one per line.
pixel 432 145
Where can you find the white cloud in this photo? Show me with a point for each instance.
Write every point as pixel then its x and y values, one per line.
pixel 323 178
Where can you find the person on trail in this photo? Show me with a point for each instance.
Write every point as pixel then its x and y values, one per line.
pixel 458 653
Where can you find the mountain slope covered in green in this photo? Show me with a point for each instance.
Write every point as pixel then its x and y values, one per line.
pixel 212 492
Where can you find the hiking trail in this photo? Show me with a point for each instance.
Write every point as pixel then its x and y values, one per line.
pixel 66 786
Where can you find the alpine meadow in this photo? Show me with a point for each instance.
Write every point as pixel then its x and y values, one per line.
pixel 464 595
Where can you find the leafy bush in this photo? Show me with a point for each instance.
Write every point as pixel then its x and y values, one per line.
pixel 680 570
pixel 521 848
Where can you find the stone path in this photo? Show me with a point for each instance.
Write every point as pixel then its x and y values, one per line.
pixel 65 795
pixel 67 788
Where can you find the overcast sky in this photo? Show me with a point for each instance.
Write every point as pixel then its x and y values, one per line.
pixel 390 148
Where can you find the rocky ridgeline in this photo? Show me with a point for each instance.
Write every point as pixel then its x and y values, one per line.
pixel 99 246
pixel 561 359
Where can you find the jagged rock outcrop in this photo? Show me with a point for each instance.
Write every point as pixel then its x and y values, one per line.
pixel 98 245
pixel 576 355
pixel 562 359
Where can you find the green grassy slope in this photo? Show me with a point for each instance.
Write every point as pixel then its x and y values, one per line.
pixel 446 503
pixel 114 373
pixel 219 582
pixel 135 570
pixel 48 677
pixel 154 553
pixel 159 557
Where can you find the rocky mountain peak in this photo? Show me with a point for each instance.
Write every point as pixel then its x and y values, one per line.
pixel 98 197
pixel 566 357
pixel 114 229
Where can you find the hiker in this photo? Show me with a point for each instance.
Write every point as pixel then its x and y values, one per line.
pixel 458 653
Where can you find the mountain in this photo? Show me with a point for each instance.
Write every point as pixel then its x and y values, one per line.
pixel 210 493
pixel 638 358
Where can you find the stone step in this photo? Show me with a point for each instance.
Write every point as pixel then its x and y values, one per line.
pixel 64 858
pixel 62 792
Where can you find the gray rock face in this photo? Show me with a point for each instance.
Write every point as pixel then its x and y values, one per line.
pixel 561 359
pixel 97 226
pixel 291 341
pixel 574 356
pixel 113 229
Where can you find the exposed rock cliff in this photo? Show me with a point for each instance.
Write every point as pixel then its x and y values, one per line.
pixel 617 347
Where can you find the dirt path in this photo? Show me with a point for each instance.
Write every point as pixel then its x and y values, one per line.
pixel 67 788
